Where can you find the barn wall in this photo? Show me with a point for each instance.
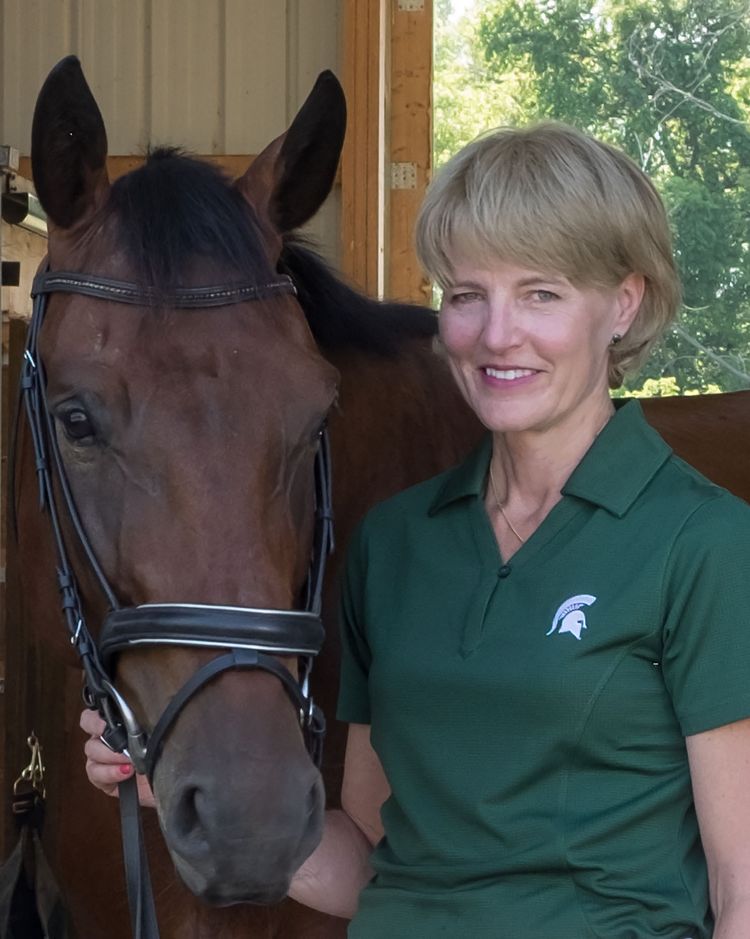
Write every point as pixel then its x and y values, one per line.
pixel 214 76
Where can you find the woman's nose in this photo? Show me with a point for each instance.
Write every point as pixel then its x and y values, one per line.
pixel 501 328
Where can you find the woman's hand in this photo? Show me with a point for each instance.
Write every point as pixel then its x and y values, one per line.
pixel 332 877
pixel 105 768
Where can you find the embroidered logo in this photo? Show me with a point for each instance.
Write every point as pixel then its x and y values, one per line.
pixel 570 616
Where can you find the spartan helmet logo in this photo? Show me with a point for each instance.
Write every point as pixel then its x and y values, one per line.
pixel 570 616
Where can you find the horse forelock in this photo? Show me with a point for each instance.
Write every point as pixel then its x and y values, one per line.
pixel 175 210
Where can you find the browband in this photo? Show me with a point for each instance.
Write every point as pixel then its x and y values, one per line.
pixel 185 298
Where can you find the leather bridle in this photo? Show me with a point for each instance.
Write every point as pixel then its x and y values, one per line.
pixel 247 638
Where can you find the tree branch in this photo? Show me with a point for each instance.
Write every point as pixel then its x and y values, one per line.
pixel 643 60
pixel 710 354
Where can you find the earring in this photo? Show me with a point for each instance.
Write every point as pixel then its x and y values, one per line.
pixel 615 339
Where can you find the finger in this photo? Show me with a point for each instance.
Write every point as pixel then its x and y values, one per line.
pixel 98 751
pixel 107 777
pixel 145 793
pixel 91 723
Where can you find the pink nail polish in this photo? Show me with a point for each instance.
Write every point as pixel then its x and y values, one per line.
pixel 126 769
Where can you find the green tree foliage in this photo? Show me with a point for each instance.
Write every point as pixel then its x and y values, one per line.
pixel 466 98
pixel 669 82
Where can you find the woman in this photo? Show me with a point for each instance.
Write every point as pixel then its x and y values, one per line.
pixel 545 649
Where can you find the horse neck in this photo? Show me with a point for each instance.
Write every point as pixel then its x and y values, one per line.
pixel 400 420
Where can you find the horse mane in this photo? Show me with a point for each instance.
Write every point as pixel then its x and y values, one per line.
pixel 340 316
pixel 175 208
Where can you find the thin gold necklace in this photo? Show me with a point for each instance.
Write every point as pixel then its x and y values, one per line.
pixel 497 497
pixel 500 506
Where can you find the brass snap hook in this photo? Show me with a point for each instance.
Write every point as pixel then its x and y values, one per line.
pixel 28 788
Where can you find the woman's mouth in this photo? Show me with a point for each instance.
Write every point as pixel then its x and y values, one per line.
pixel 508 374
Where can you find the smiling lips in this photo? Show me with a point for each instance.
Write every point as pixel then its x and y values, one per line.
pixel 508 374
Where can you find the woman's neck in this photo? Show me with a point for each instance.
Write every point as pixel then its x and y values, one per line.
pixel 529 469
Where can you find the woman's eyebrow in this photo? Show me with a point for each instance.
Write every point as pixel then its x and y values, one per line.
pixel 541 278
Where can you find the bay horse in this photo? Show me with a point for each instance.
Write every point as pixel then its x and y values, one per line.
pixel 188 438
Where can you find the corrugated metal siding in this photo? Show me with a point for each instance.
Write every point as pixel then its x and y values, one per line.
pixel 214 76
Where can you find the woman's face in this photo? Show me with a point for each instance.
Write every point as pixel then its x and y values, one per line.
pixel 528 349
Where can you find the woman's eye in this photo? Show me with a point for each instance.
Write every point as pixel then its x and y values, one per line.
pixel 465 297
pixel 77 424
pixel 545 296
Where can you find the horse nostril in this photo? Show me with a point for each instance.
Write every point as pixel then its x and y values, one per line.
pixel 186 815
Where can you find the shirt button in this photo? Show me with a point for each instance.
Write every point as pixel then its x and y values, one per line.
pixel 504 571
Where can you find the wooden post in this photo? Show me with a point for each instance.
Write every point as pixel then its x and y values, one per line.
pixel 14 644
pixel 363 192
pixel 410 143
pixel 28 249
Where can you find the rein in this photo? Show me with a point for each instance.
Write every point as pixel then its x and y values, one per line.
pixel 246 637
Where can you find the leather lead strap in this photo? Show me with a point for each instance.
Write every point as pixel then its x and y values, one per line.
pixel 137 875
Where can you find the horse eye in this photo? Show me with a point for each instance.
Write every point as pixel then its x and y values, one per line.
pixel 77 425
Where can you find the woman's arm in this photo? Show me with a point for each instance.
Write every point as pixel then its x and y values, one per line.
pixel 720 773
pixel 332 877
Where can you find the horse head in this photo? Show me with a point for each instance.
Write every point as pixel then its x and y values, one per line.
pixel 187 439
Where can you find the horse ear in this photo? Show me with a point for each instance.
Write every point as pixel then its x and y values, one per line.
pixel 288 182
pixel 68 146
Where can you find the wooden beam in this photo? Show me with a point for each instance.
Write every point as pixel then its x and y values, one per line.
pixel 363 192
pixel 410 143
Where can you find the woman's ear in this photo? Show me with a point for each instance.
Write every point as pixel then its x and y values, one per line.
pixel 629 298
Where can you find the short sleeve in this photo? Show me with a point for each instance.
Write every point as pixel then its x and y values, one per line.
pixel 706 653
pixel 354 699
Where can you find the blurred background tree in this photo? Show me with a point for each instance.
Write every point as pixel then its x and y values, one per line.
pixel 666 80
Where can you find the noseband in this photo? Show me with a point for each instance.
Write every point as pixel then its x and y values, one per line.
pixel 246 638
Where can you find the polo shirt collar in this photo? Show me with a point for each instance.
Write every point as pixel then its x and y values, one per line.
pixel 466 479
pixel 614 471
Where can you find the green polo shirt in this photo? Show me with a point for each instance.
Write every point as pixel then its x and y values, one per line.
pixel 531 716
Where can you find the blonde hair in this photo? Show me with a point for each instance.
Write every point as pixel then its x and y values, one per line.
pixel 550 196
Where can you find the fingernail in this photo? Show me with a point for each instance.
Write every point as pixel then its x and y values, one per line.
pixel 126 769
